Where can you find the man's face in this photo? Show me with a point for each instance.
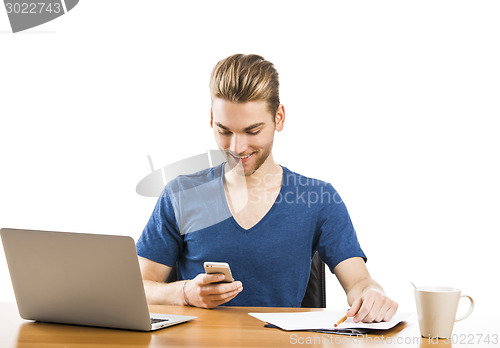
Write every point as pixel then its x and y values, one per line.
pixel 244 132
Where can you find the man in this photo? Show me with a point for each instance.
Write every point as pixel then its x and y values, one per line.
pixel 263 219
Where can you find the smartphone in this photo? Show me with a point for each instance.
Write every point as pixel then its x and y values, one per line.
pixel 219 267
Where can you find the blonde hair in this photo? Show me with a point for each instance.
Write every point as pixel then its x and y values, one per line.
pixel 242 78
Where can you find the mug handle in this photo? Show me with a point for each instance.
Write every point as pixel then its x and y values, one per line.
pixel 470 308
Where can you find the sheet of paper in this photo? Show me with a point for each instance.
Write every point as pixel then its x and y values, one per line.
pixel 322 320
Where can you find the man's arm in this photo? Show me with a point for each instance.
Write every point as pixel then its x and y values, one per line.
pixel 366 297
pixel 199 291
pixel 157 291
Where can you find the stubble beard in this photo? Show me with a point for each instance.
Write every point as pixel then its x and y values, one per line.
pixel 259 161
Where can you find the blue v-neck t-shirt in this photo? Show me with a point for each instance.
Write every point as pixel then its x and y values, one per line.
pixel 192 223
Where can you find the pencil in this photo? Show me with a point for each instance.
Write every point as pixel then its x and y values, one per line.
pixel 340 321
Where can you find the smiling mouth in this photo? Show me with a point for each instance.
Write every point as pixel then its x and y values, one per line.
pixel 242 158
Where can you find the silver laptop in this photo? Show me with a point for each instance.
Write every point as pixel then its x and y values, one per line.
pixel 77 278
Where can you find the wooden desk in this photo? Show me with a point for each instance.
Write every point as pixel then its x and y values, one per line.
pixel 221 327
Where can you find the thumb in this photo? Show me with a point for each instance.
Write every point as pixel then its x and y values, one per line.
pixel 356 305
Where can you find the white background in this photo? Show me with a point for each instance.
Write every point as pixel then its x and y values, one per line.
pixel 393 102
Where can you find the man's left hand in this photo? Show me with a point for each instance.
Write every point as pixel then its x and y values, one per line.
pixel 372 306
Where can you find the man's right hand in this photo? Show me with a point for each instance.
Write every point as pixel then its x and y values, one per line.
pixel 201 292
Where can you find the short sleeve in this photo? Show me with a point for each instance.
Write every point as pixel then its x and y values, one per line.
pixel 337 240
pixel 161 241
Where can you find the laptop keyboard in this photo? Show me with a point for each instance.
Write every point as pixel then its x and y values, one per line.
pixel 154 320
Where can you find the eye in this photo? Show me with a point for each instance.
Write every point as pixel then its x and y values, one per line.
pixel 223 132
pixel 253 133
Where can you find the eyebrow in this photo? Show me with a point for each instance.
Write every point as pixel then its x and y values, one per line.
pixel 255 125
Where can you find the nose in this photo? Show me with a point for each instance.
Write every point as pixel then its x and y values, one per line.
pixel 238 144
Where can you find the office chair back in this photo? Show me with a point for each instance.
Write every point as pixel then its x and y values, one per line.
pixel 315 296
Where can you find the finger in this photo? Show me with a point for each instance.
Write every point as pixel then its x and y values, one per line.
pixel 366 306
pixel 383 311
pixel 392 310
pixel 378 303
pixel 225 295
pixel 220 288
pixel 356 305
pixel 219 302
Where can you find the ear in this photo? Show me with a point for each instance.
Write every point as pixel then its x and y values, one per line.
pixel 280 118
pixel 211 118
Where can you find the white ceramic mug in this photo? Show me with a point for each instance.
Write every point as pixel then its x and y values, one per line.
pixel 437 310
